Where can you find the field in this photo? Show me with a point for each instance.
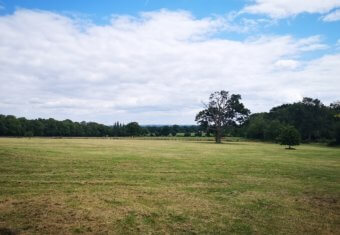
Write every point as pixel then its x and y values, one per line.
pixel 106 186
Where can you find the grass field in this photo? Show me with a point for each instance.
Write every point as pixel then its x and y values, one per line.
pixel 104 186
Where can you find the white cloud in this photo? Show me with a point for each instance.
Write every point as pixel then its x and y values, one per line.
pixel 286 8
pixel 311 43
pixel 155 68
pixel 333 16
pixel 287 64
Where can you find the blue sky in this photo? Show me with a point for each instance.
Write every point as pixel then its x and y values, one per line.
pixel 301 25
pixel 104 8
pixel 156 61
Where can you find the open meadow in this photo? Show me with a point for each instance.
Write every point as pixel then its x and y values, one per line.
pixel 115 186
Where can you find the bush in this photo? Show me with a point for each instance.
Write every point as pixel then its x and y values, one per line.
pixel 290 136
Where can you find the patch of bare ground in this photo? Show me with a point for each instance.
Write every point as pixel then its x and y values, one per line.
pixel 47 214
pixel 316 214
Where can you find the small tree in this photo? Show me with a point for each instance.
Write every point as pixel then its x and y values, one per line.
pixel 290 136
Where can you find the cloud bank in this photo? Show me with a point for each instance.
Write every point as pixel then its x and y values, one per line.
pixel 154 68
pixel 286 8
pixel 333 16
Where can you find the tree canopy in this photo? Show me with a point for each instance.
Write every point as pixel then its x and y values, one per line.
pixel 313 120
pixel 13 126
pixel 224 115
pixel 222 111
pixel 290 136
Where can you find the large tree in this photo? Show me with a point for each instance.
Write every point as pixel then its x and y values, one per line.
pixel 222 111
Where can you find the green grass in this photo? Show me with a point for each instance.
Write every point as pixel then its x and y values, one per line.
pixel 106 186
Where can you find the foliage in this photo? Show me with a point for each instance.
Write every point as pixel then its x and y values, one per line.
pixel 310 117
pixel 257 127
pixel 222 111
pixel 133 129
pixel 12 126
pixel 314 121
pixel 165 131
pixel 290 136
pixel 337 133
pixel 173 130
pixel 261 128
pixel 187 134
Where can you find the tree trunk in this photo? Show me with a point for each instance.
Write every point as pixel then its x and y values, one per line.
pixel 218 136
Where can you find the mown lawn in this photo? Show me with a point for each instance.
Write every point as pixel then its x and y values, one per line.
pixel 104 186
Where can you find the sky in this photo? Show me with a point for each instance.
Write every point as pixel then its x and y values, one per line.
pixel 157 61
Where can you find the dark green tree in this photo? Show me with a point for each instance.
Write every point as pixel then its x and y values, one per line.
pixel 175 128
pixel 257 126
pixel 273 130
pixel 337 133
pixel 38 127
pixel 133 129
pixel 290 136
pixel 13 126
pixel 173 133
pixel 165 131
pixel 312 119
pixel 3 126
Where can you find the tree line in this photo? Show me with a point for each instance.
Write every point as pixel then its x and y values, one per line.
pixel 13 126
pixel 224 115
pixel 307 120
pixel 310 117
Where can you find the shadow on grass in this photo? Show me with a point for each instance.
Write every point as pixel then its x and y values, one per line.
pixel 219 144
pixel 7 231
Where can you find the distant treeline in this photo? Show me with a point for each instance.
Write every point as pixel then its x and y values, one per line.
pixel 314 121
pixel 12 126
